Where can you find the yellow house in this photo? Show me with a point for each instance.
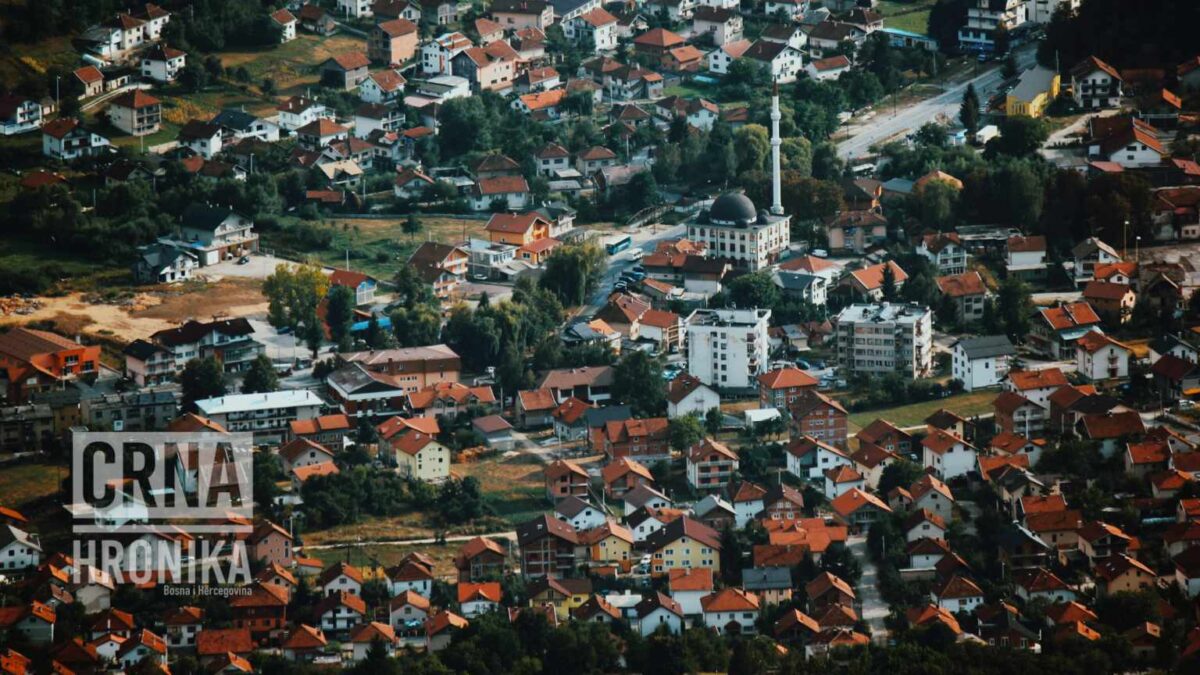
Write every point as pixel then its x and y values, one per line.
pixel 1036 90
pixel 684 543
pixel 517 229
pixel 564 595
pixel 609 543
pixel 420 456
pixel 1119 573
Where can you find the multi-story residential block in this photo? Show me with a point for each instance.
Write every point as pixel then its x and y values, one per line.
pixel 26 427
pixel 985 17
pixel 885 338
pixel 35 360
pixel 131 411
pixel 728 348
pixel 684 544
pixel 981 362
pixel 711 465
pixel 228 341
pixel 734 230
pixel 819 417
pixel 392 43
pixel 549 547
pixel 267 415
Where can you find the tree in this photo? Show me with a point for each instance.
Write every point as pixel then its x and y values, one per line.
pixel 902 474
pixel 201 379
pixel 754 290
pixel 685 431
pixel 293 294
pixel 936 203
pixel 412 226
pixel 889 282
pixel 409 289
pixel 642 192
pixel 420 325
pixel 339 315
pixel 1020 136
pixel 713 421
pixel 260 376
pixel 1015 308
pixel 932 135
pixel 638 382
pixel 753 147
pixel 968 112
pixel 573 272
pixel 1009 69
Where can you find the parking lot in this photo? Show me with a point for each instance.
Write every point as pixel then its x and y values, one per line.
pixel 259 267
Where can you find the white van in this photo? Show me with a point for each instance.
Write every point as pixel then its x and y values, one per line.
pixel 636 253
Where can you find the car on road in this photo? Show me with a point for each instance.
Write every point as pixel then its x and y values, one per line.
pixel 620 286
pixel 820 253
pixel 636 254
pixel 243 260
pixel 479 276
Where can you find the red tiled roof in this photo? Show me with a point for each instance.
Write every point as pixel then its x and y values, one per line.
pixel 1113 425
pixel 960 285
pixel 1025 380
pixel 871 277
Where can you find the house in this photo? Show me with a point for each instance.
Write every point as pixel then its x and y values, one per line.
pixel 393 42
pixel 450 398
pixel 440 629
pixel 1121 573
pixel 688 587
pixel 441 265
pixel 828 590
pixel 783 63
pixel 548 547
pixel 948 455
pixel 91 80
pixel 1036 89
pixel 303 452
pixel 285 23
pixel 65 139
pixel 684 543
pixel 1055 329
pixel 535 408
pixel 437 54
pixel 710 465
pixel 595 30
pixel 480 558
pixel 828 36
pixel 957 594
pixel 981 362
pixel 36 361
pixel 815 415
pixel 315 19
pixel 644 496
pixel 1059 528
pixel 944 250
pixel 867 283
pixel 345 71
pixel 842 479
pixel 720 59
pixel 784 387
pixel 1042 584
pixel 1099 357
pixel 202 138
pixel 414 574
pixel 512 192
pixel 570 420
pixel 412 184
pixel 133 112
pixel 543 105
pixel 658 612
pixel 809 457
pixel 299 111
pixel 263 611
pixel 1110 429
pixel 384 86
pixel 563 596
pixel 475 599
pixel 968 292
pixel 588 384
pixel 1015 414
pixel 719 24
pixel 420 456
pixel 1187 571
pixel 1173 376
pixel 515 14
pixel 731 611
pixel 657 44
pixel 623 475
pixel 1090 254
pixel 162 63
pixel 830 68
pixel 1026 257
pixel 19 550
pixel 687 395
pixel 1096 84
pixel 857 509
pixel 489 68
pixel 608 544
pixel 1126 141
pixel 270 544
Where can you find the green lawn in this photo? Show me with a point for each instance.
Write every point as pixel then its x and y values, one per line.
pixel 910 16
pixel 914 414
pixel 513 487
pixel 23 483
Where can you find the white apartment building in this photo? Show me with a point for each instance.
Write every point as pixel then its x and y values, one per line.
pixel 885 338
pixel 984 17
pixel 981 362
pixel 267 415
pixel 1041 11
pixel 728 348
pixel 734 230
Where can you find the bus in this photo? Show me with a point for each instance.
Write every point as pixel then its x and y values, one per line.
pixel 618 244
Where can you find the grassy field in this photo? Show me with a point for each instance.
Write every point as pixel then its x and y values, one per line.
pixel 379 247
pixel 23 483
pixel 914 414
pixel 383 556
pixel 911 16
pixel 294 64
pixel 513 486
pixel 36 59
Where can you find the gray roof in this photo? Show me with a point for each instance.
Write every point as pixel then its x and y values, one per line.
pixel 901 185
pixel 1033 82
pixel 986 346
pixel 238 120
pixel 204 217
pixel 706 506
pixel 766 578
pixel 598 417
pixel 794 281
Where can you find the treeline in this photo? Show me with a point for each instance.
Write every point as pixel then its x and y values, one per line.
pixel 1158 34
pixel 359 491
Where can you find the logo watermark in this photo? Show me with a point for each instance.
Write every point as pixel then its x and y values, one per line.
pixel 162 507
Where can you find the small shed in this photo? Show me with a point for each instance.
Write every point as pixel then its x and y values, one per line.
pixel 496 431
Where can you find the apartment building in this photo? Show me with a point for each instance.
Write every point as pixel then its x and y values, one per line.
pixel 985 18
pixel 728 348
pixel 885 338
pixel 413 368
pixel 267 415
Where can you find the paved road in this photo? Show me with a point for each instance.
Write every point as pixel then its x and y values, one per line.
pixel 874 609
pixel 510 535
pixel 886 124
pixel 645 238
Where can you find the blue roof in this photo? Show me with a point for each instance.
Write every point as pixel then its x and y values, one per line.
pixel 360 326
pixel 907 33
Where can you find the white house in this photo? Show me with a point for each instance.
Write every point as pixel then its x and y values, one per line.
pixel 687 395
pixel 688 586
pixel 580 514
pixel 19 550
pixel 1095 84
pixel 947 454
pixel 202 138
pixel 437 54
pixel 285 21
pixel 384 86
pixel 841 479
pixel 783 62
pixel 944 250
pixel 720 24
pixel 299 111
pixel 595 29
pixel 732 611
pixel 355 8
pixel 791 9
pixel 809 458
pixel 957 594
pixel 719 59
pixel 1099 357
pixel 982 361
pixel 1090 254
pixel 830 68
pixel 162 63
pixel 656 611
pixel 65 139
pixel 513 191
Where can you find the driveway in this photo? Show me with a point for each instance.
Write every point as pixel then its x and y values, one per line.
pixel 260 267
pixel 874 609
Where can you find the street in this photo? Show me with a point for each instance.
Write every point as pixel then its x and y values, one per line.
pixel 874 610
pixel 884 125
pixel 645 238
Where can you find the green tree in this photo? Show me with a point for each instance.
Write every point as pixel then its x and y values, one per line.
pixel 260 376
pixel 200 379
pixel 638 382
pixel 1015 308
pixel 936 203
pixel 412 226
pixel 420 325
pixel 889 282
pixel 339 315
pixel 753 147
pixel 293 294
pixel 902 474
pixel 1020 136
pixel 713 421
pixel 410 290
pixel 757 289
pixel 685 431
pixel 573 272
pixel 968 112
